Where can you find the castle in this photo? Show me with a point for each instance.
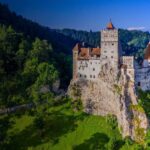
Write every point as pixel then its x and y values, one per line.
pixel 87 62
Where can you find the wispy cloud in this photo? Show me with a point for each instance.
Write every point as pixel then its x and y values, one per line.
pixel 136 28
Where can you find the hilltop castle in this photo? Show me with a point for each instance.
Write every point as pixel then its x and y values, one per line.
pixel 87 62
pixel 106 82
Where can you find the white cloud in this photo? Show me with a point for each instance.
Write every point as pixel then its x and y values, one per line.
pixel 136 28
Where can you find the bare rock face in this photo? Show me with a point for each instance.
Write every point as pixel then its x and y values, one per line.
pixel 113 93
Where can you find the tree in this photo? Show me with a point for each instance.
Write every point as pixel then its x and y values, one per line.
pixel 39 123
pixel 41 50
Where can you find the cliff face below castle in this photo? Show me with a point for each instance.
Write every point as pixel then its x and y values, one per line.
pixel 113 93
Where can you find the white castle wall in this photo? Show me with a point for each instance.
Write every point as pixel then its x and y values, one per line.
pixel 88 69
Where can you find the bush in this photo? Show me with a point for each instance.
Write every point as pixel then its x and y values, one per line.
pixel 77 104
pixel 112 121
pixel 112 144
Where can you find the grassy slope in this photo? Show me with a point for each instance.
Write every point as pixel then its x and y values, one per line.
pixel 65 130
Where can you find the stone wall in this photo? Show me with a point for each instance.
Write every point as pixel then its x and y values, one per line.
pixel 88 69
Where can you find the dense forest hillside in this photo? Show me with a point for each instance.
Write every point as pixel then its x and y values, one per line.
pixel 32 29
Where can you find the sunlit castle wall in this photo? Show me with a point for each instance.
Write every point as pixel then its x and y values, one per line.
pixel 89 69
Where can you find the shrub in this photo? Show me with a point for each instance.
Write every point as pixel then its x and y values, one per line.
pixel 112 121
pixel 77 104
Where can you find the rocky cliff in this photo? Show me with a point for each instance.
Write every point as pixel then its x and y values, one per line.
pixel 113 93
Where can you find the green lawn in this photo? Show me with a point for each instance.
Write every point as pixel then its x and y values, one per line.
pixel 65 130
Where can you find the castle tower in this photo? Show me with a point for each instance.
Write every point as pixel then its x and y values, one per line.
pixel 75 59
pixel 110 47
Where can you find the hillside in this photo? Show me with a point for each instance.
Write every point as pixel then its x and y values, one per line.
pixel 32 29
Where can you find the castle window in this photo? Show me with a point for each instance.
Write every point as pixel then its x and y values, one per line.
pixel 111 56
pixel 93 69
pixel 139 84
pixel 85 76
pixel 106 56
pixel 94 76
pixel 80 75
pixel 105 51
pixel 90 76
pixel 112 43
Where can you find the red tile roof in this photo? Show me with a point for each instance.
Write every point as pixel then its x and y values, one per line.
pixel 110 26
pixel 84 52
pixel 96 51
pixel 147 52
pixel 123 66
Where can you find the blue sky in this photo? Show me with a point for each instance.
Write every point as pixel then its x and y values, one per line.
pixel 85 14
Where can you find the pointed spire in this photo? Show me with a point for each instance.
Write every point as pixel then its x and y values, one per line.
pixel 110 26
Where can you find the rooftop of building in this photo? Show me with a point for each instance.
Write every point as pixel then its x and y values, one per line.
pixel 147 52
pixel 110 26
pixel 86 52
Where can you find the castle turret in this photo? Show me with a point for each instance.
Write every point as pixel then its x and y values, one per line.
pixel 110 47
pixel 75 58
